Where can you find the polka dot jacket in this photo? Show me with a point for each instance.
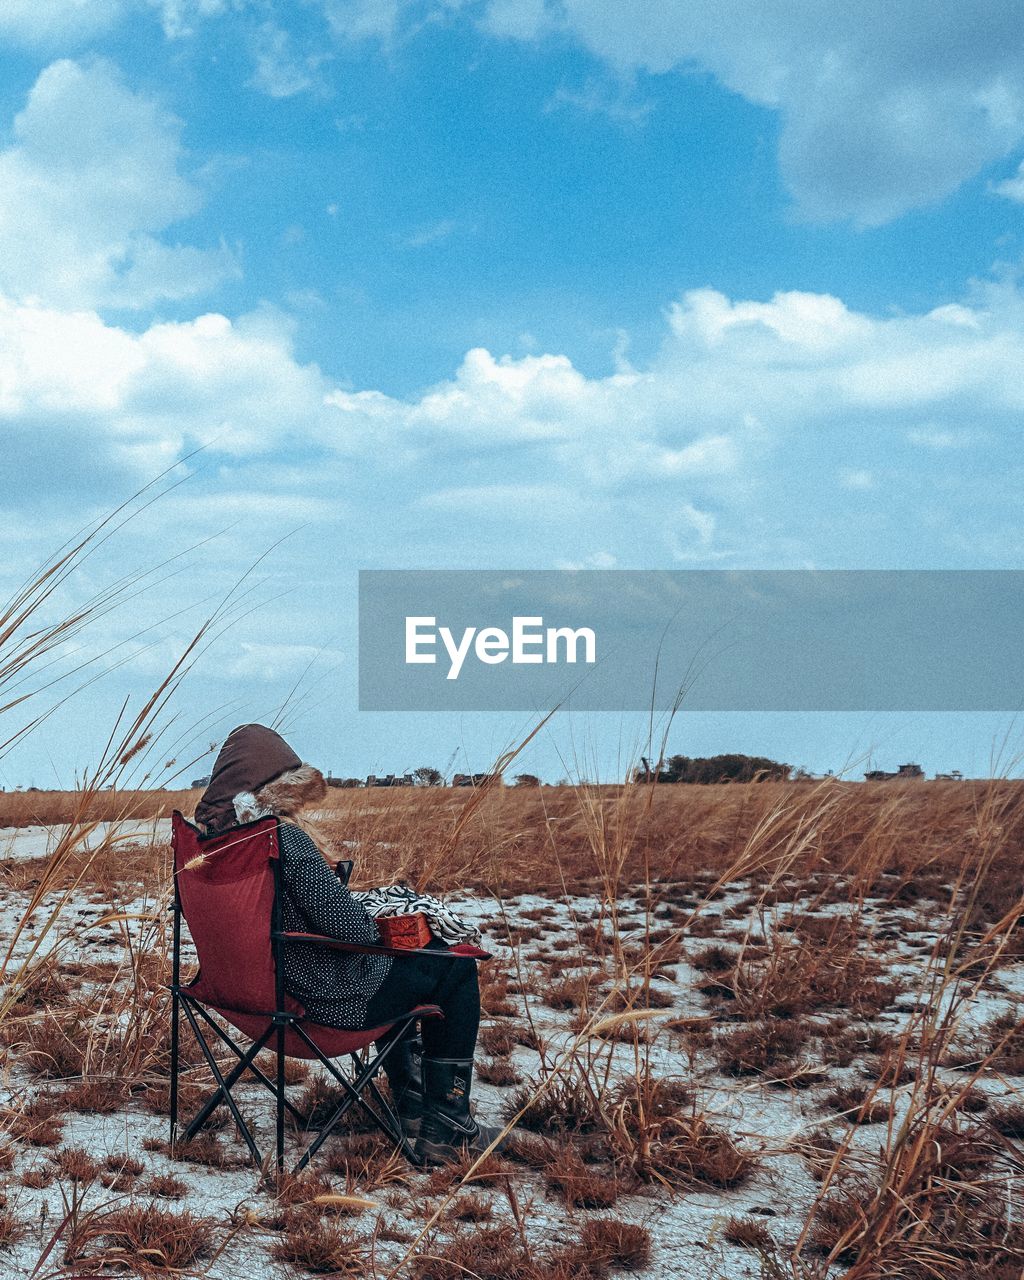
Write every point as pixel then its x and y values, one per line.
pixel 333 986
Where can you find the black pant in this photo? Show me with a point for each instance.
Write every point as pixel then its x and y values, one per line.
pixel 453 984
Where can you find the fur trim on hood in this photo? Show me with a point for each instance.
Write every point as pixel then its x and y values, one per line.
pixel 284 796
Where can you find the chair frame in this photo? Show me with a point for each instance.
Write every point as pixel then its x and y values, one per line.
pixel 280 1021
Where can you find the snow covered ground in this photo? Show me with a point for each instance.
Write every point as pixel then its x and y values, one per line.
pixel 686 1226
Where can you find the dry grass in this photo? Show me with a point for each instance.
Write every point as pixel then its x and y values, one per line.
pixel 498 1071
pixel 98 1032
pixel 857 1105
pixel 760 1048
pixel 488 1253
pixel 749 1233
pixel 76 1164
pixel 320 1247
pixel 144 1237
pixel 876 838
pixel 829 968
pixel 1003 1042
pixel 1007 1119
pixel 679 1151
pixel 526 839
pixel 11 1229
pixel 59 808
pixel 166 1186
pixel 568 1106
pixel 798 989
pixel 609 1242
pixel 497 1040
pixel 37 1121
pixel 500 1252
pixel 471 1208
pixel 367 1162
pixel 578 1185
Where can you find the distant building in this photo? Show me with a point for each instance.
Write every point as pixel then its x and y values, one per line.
pixel 954 776
pixel 390 780
pixel 904 772
pixel 476 779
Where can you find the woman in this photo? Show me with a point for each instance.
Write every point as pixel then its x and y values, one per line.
pixel 256 774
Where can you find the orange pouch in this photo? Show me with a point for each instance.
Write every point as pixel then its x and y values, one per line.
pixel 404 931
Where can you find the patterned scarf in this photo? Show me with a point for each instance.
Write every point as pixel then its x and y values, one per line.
pixel 400 900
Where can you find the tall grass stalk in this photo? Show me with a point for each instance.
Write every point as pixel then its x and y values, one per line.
pixel 30 639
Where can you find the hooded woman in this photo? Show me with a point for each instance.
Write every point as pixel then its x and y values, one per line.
pixel 257 774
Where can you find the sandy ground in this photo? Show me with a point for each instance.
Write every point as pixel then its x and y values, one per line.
pixel 686 1227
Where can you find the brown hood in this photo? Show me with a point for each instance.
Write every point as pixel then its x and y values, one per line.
pixel 252 756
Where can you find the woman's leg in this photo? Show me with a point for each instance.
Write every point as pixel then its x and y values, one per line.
pixel 402 1066
pixel 447 1127
pixel 458 994
pixel 444 1124
pixel 452 984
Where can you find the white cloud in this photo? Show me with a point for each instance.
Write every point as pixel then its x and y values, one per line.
pixel 179 17
pixel 140 400
pixel 723 442
pixel 495 498
pixel 363 19
pixel 431 233
pixel 947 438
pixel 815 321
pixel 731 380
pixel 281 71
pixel 690 534
pixel 883 107
pixel 1012 188
pixel 489 399
pixel 520 19
pixel 56 23
pixel 92 179
pixel 599 98
pixel 268 661
pixel 353 20
pixel 68 24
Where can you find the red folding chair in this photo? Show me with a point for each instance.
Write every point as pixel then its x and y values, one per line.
pixel 227 887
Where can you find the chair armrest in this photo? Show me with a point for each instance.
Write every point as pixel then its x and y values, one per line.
pixel 461 950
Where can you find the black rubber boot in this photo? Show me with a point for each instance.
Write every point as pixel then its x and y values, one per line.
pixel 405 1081
pixel 448 1129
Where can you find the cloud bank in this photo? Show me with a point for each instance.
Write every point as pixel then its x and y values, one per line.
pixel 95 175
pixel 883 108
pixel 745 406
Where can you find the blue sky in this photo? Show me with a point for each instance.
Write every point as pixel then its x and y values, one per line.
pixel 505 283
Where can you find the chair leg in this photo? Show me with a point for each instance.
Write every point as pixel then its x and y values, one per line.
pixel 263 1079
pixel 174 1069
pixel 389 1123
pixel 394 1122
pixel 217 1097
pixel 280 1097
pixel 381 1115
pixel 223 1093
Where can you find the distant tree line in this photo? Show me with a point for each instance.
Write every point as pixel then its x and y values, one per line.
pixel 707 770
pixel 703 770
pixel 426 776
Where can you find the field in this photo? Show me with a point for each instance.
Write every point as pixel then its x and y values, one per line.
pixel 744 1031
